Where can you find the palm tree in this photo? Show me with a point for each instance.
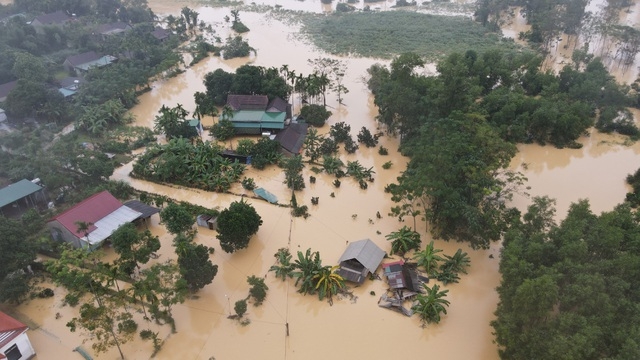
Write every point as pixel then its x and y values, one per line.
pixel 458 263
pixel 430 305
pixel 283 266
pixel 428 259
pixel 306 267
pixel 328 282
pixel 404 240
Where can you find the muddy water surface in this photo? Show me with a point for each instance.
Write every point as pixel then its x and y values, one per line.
pixel 353 327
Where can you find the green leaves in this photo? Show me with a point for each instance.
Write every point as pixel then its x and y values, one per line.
pixel 403 241
pixel 431 305
pixel 236 225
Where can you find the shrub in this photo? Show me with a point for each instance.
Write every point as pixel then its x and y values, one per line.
pixel 383 150
pixel 240 308
pixel 248 184
pixel 387 166
pixel 365 137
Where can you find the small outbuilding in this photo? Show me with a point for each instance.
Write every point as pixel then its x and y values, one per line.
pixel 359 259
pixel 207 221
pixel 19 197
pixel 292 137
pixel 14 342
pixel 403 276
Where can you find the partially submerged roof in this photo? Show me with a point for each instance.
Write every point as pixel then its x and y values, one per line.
pixel 366 252
pixel 10 328
pixel 17 191
pixel 160 33
pixel 6 88
pixel 58 17
pixel 402 276
pixel 292 137
pixel 90 59
pixel 113 28
pixel 248 102
pixel 145 209
pixel 265 195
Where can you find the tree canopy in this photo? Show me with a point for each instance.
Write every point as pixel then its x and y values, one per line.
pixel 236 225
pixel 570 290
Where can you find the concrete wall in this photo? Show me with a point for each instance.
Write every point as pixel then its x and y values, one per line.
pixel 60 233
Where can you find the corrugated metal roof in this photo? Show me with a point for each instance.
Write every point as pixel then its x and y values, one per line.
pixel 90 210
pixel 110 223
pixel 17 191
pixel 10 328
pixel 366 252
pixel 139 206
pixel 248 102
pixel 266 195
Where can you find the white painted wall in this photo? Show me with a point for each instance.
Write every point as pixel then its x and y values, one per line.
pixel 23 344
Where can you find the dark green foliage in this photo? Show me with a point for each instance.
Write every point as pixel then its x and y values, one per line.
pixel 194 262
pixel 236 47
pixel 387 165
pixel 383 151
pixel 403 241
pixel 248 184
pixel 239 27
pixel 197 165
pixel 430 305
pixel 283 266
pixel 350 146
pixel 620 120
pixel 236 225
pixel 570 290
pixel 340 132
pixel 176 218
pixel 293 173
pixel 240 307
pixel 218 84
pixel 343 7
pixel 328 147
pixel 265 152
pixel 453 170
pixel 172 122
pixel 223 130
pixel 365 137
pixel 133 246
pixel 633 198
pixel 315 115
pixel 397 32
pixel 258 290
pixel 17 251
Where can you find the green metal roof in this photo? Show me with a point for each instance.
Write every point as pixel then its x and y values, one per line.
pixel 247 116
pixel 17 191
pixel 265 195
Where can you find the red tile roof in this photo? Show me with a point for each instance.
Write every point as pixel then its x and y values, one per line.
pixel 10 328
pixel 89 210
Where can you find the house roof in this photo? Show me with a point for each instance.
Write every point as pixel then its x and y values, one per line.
pixel 79 59
pixel 366 252
pixel 113 28
pixel 160 33
pixel 265 195
pixel 58 17
pixel 248 102
pixel 277 105
pixel 6 88
pixel 110 223
pixel 10 328
pixel 90 210
pixel 17 191
pixel 292 137
pixel 144 209
pixel 401 276
pixel 71 82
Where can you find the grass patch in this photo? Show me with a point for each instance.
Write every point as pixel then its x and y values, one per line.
pixel 388 33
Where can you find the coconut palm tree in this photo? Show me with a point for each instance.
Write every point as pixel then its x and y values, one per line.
pixel 328 282
pixel 404 240
pixel 430 305
pixel 428 259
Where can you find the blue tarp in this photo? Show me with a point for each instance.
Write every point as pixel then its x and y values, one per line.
pixel 266 195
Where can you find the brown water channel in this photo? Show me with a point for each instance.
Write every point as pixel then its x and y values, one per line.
pixel 358 328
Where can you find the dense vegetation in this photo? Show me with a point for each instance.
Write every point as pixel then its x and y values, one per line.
pixel 384 34
pixel 181 162
pixel 570 290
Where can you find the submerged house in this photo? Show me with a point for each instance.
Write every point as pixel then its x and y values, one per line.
pixel 58 18
pixel 14 342
pixel 359 259
pixel 255 114
pixel 402 276
pixel 83 62
pixel 102 214
pixel 19 197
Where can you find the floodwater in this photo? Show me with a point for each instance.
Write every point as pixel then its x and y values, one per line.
pixel 351 328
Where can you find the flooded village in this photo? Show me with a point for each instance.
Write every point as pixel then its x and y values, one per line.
pixel 347 226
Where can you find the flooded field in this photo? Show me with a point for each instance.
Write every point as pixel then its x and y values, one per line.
pixel 352 328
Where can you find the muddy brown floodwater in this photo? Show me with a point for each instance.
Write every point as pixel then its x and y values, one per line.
pixel 352 328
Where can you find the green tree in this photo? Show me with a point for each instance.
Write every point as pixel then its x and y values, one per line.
pixel 458 263
pixel 431 305
pixel 293 173
pixel 236 225
pixel 403 240
pixel 315 115
pixel 134 247
pixel 193 259
pixel 176 218
pixel 258 290
pixel 328 282
pixel 283 267
pixel 306 267
pixel 428 259
pixel 164 286
pixel 223 130
pixel 218 84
